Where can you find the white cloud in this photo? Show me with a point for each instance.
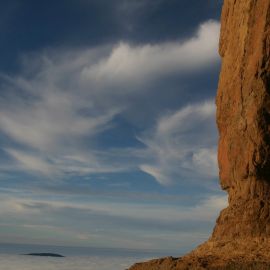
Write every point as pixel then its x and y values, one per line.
pixel 182 146
pixel 128 63
pixel 31 162
pixel 62 100
pixel 205 160
pixel 46 120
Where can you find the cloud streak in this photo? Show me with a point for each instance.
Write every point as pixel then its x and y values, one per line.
pixel 50 214
pixel 130 64
pixel 182 146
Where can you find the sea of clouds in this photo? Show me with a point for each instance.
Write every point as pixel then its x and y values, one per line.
pixel 21 262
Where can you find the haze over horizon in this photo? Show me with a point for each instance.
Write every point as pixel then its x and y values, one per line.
pixel 107 123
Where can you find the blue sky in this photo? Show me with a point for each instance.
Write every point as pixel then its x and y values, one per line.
pixel 107 122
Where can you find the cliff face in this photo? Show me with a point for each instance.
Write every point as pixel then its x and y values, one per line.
pixel 243 118
pixel 241 238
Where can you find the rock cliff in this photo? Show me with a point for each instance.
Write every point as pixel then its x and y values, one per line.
pixel 241 237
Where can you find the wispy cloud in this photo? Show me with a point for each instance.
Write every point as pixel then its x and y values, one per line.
pixel 130 214
pixel 182 145
pixel 54 110
pixel 31 162
pixel 130 64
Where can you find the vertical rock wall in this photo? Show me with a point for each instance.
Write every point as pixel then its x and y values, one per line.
pixel 243 118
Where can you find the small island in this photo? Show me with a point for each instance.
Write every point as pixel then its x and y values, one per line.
pixel 46 255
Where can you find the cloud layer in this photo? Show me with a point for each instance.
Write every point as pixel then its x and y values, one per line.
pixel 69 263
pixel 98 222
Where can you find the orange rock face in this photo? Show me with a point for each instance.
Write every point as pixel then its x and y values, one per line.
pixel 241 238
pixel 243 118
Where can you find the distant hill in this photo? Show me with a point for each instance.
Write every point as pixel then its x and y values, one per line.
pixel 46 255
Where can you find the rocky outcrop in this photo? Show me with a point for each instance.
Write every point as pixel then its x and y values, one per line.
pixel 241 237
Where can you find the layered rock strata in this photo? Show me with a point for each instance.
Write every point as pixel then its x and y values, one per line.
pixel 241 237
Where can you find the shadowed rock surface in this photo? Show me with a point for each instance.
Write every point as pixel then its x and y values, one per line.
pixel 241 237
